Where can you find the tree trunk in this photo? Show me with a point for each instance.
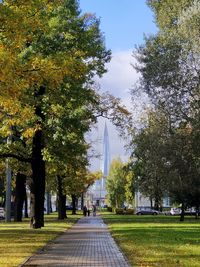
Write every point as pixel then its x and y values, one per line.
pixel 26 207
pixel 116 203
pixel 197 213
pixel 20 195
pixel 51 210
pixel 82 201
pixel 61 200
pixel 156 204
pixel 73 204
pixel 48 201
pixel 37 188
pixel 151 202
pixel 182 212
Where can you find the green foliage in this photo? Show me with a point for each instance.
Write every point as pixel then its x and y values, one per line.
pixel 120 184
pixel 169 61
pixel 167 11
pixel 170 67
pixel 150 160
pixel 50 53
pixel 129 184
pixel 124 211
pixel 165 162
pixel 115 184
pixel 63 54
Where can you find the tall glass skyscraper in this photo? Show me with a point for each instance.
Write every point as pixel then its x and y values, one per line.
pixel 106 157
pixel 99 188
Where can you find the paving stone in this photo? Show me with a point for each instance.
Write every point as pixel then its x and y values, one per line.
pixel 87 244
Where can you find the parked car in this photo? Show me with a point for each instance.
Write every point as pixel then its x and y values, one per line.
pixel 175 211
pixel 192 211
pixel 2 213
pixel 69 207
pixel 147 211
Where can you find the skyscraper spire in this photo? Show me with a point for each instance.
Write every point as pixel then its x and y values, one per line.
pixel 106 153
pixel 99 188
pixel 105 165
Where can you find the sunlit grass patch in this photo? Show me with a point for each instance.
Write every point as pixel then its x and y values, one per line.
pixel 157 240
pixel 18 241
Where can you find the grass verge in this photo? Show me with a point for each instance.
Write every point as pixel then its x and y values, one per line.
pixel 18 241
pixel 157 240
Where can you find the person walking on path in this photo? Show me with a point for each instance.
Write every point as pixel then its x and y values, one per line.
pixel 88 211
pixel 85 211
pixel 88 243
pixel 94 209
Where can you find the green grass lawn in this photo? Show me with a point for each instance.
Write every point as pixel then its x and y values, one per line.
pixel 18 241
pixel 157 240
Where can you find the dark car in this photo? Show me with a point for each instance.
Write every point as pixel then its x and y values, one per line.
pixel 192 212
pixel 147 212
pixel 69 207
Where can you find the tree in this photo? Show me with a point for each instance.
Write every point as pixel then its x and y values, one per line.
pixel 2 183
pixel 167 12
pixel 47 50
pixel 164 162
pixel 170 60
pixel 149 158
pixel 130 185
pixel 183 169
pixel 50 53
pixel 115 184
pixel 169 65
pixel 78 183
pixel 19 196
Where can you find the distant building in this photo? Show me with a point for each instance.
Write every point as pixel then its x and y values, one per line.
pixel 144 202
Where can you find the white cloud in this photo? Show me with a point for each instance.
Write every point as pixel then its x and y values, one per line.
pixel 120 76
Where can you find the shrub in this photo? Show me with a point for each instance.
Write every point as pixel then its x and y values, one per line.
pixel 109 209
pixel 129 211
pixel 119 211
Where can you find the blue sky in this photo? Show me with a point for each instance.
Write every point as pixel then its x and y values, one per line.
pixel 123 22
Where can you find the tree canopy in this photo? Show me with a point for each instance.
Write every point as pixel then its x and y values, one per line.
pixel 169 66
pixel 50 53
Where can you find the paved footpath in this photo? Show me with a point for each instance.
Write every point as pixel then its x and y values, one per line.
pixel 87 244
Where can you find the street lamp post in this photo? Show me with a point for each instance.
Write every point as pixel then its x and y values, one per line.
pixel 100 195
